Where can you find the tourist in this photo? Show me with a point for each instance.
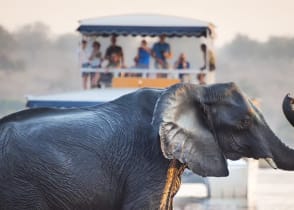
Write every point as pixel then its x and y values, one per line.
pixel 83 55
pixel 161 52
pixel 114 51
pixel 95 63
pixel 182 63
pixel 208 57
pixel 143 56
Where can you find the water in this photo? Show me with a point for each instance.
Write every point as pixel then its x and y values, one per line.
pixel 274 191
pixel 211 204
pixel 10 106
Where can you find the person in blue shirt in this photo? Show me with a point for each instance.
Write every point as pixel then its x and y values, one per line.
pixel 143 56
pixel 182 63
pixel 161 52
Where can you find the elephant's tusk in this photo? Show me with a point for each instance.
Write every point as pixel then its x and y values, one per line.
pixel 271 163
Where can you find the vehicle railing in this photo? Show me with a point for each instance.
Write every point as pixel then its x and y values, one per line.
pixel 173 73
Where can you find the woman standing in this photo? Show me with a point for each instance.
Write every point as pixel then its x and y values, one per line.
pixel 95 62
pixel 182 63
pixel 84 62
pixel 143 56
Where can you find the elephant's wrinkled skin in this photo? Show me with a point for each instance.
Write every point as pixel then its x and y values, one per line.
pixel 116 155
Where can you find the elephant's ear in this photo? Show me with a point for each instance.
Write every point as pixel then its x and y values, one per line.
pixel 184 132
pixel 288 108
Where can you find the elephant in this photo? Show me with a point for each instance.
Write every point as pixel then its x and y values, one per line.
pixel 288 103
pixel 129 153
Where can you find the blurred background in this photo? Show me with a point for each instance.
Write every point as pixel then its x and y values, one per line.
pixel 254 48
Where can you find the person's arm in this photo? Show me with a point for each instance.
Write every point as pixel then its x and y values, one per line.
pixel 153 52
pixel 188 65
pixel 167 52
pixel 138 53
pixel 81 58
pixel 205 61
pixel 147 49
pixel 107 54
pixel 122 58
pixel 101 59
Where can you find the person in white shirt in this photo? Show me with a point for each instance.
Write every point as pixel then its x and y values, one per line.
pixel 95 62
pixel 84 62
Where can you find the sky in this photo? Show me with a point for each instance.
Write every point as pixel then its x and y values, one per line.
pixel 260 19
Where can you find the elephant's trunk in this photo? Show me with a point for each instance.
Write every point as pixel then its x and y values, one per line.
pixel 287 108
pixel 283 156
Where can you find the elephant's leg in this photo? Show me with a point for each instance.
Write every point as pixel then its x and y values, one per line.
pixel 143 195
pixel 156 195
pixel 146 202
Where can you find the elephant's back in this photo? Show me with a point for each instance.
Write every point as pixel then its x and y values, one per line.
pixel 73 157
pixel 58 156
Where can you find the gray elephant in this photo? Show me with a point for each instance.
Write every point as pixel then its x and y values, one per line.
pixel 130 153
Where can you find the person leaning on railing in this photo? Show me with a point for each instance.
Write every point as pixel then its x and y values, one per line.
pixel 161 52
pixel 115 57
pixel 114 49
pixel 182 63
pixel 95 63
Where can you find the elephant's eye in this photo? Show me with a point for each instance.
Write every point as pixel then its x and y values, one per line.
pixel 245 123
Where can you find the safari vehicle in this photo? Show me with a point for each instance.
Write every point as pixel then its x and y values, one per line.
pixel 183 35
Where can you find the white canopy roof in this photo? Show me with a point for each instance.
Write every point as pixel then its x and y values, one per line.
pixel 144 20
pixel 144 25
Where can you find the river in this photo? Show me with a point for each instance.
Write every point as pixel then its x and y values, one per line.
pixel 274 191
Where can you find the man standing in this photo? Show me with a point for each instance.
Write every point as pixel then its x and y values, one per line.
pixel 114 55
pixel 161 52
pixel 211 58
pixel 209 63
pixel 112 51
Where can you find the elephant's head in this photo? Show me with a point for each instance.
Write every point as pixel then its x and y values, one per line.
pixel 288 104
pixel 201 126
